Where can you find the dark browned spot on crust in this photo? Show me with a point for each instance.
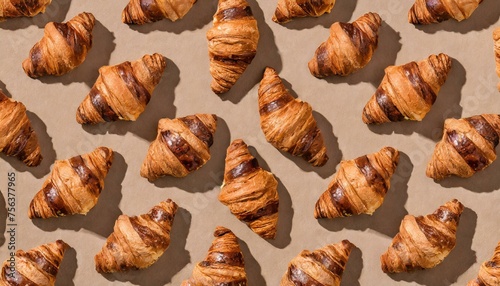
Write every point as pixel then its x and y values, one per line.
pixel 136 88
pixel 484 129
pixel 275 105
pixel 244 168
pixel 88 178
pixel 422 88
pixel 270 209
pixel 437 10
pixel 14 278
pixel 341 201
pixel 199 129
pixel 234 13
pixel 17 146
pixel 323 61
pixel 151 10
pixel 148 236
pixel 229 258
pixel 235 60
pixel 241 282
pixel 492 264
pixel 102 106
pixel 73 39
pixel 40 261
pixel 387 106
pixel 158 214
pixel 36 58
pixel 54 201
pixel 445 215
pixel 311 6
pixel 468 150
pixel 309 145
pixel 373 177
pixel 182 150
pixel 299 277
pixel 336 267
pixel 433 235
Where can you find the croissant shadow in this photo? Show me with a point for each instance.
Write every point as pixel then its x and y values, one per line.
pixel 170 263
pixel 67 269
pixel 105 212
pixel 353 268
pixel 460 259
pixel 387 218
pixel 3 218
pixel 55 12
pixel 252 267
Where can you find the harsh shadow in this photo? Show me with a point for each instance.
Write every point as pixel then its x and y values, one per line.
pixel 55 12
pixel 170 263
pixel 67 269
pixel 252 267
pixel 105 212
pixel 387 218
pixel 3 218
pixel 353 268
pixel 460 259
pixel 3 88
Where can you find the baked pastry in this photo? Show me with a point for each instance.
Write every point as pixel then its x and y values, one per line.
pixel 434 11
pixel 321 267
pixel 289 9
pixel 74 185
pixel 288 123
pixel 407 92
pixel 468 146
pixel 22 8
pixel 250 192
pixel 424 241
pixel 496 38
pixel 489 272
pixel 224 264
pixel 138 241
pixel 360 185
pixel 349 48
pixel 36 267
pixel 64 47
pixel 146 11
pixel 232 43
pixel 17 137
pixel 122 92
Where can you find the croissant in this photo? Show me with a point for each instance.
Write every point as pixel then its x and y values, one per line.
pixel 22 8
pixel 289 9
pixel 360 185
pixel 74 185
pixel 224 264
pixel 36 267
pixel 321 267
pixel 232 43
pixel 181 146
pixel 489 272
pixel 146 11
pixel 407 91
pixel 468 146
pixel 64 46
pixel 122 91
pixel 17 137
pixel 349 48
pixel 425 12
pixel 423 242
pixel 288 123
pixel 496 38
pixel 250 192
pixel 138 241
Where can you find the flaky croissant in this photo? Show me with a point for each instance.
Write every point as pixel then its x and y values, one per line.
pixel 467 146
pixel 122 92
pixel 138 241
pixel 489 272
pixel 232 43
pixel 424 241
pixel 250 192
pixel 224 264
pixel 22 8
pixel 289 9
pixel 496 38
pixel 360 185
pixel 64 47
pixel 36 267
pixel 74 185
pixel 321 267
pixel 17 137
pixel 288 123
pixel 407 92
pixel 434 11
pixel 181 146
pixel 349 48
pixel 146 11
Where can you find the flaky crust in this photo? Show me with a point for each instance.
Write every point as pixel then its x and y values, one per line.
pixel 22 8
pixel 360 185
pixel 250 192
pixel 146 11
pixel 434 11
pixel 496 38
pixel 286 10
pixel 489 272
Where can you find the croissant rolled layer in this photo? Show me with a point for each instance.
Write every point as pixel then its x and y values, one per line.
pixel 22 8
pixel 425 12
pixel 289 9
pixel 489 272
pixel 146 11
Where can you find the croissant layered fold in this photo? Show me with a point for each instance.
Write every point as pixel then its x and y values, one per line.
pixel 146 11
pixel 425 12
pixel 22 8
pixel 289 9
pixel 489 272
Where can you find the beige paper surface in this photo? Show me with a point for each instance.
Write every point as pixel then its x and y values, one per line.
pixel 184 90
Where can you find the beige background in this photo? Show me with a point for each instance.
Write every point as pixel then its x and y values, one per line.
pixel 184 90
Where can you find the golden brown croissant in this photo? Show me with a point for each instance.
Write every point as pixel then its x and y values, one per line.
pixel 349 48
pixel 74 185
pixel 122 92
pixel 489 272
pixel 321 267
pixel 468 146
pixel 408 92
pixel 288 123
pixel 434 11
pixel 36 267
pixel 146 11
pixel 250 192
pixel 17 137
pixel 289 9
pixel 496 38
pixel 138 241
pixel 423 242
pixel 64 46
pixel 22 8
pixel 224 264
pixel 232 43
pixel 181 146
pixel 360 185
